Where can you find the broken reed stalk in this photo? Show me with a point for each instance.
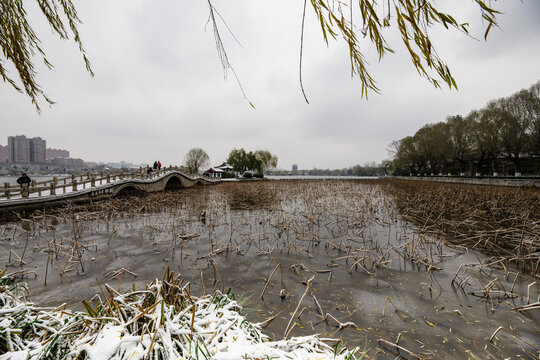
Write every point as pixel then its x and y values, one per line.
pixel 270 278
pixel 25 246
pixel 529 291
pixel 533 306
pixel 267 321
pixel 341 325
pixel 319 308
pixel 500 328
pixel 397 349
pixel 391 302
pixel 46 270
pixel 288 329
pixel 202 283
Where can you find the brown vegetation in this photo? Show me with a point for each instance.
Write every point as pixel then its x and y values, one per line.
pixel 501 221
pixel 319 256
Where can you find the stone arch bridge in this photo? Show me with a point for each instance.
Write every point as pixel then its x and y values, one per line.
pixel 54 192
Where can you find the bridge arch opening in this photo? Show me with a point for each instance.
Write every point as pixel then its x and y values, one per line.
pixel 174 183
pixel 129 191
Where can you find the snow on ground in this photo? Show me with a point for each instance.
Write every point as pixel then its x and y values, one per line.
pixel 164 321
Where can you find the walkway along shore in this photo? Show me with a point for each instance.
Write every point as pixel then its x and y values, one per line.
pixel 529 182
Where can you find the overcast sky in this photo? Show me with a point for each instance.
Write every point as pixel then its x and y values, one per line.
pixel 159 89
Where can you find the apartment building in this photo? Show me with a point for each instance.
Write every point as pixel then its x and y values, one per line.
pixel 23 150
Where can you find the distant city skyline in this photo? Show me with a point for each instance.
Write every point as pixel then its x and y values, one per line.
pixel 23 150
pixel 60 157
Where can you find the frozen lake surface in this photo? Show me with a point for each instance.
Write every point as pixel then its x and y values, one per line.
pixel 371 268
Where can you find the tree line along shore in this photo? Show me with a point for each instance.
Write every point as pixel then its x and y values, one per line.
pixel 502 138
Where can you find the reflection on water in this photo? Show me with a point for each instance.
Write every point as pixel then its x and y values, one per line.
pixel 374 274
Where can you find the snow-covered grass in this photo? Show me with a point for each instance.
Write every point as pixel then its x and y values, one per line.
pixel 164 321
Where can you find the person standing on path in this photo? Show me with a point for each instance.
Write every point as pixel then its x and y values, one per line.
pixel 24 181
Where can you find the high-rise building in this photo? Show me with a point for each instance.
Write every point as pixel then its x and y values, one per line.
pixel 24 151
pixel 38 148
pixel 19 149
pixel 294 167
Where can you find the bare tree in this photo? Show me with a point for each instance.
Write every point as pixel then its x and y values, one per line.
pixel 534 106
pixel 461 137
pixel 506 129
pixel 195 159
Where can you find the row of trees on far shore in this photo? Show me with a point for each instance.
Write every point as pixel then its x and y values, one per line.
pixel 368 169
pixel 240 160
pixel 501 138
pixel 259 160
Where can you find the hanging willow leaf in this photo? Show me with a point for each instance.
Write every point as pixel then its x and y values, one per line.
pixel 487 30
pixel 413 18
pixel 20 43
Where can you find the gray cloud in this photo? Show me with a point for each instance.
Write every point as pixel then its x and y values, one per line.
pixel 159 87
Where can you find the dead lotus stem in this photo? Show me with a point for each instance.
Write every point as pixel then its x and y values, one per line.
pixel 319 308
pixel 216 273
pixel 62 269
pixel 529 290
pixel 532 306
pixel 288 328
pixel 46 270
pixel 341 325
pixel 384 308
pixel 25 246
pixel 268 281
pixel 202 282
pixel 500 328
pixel 397 349
pixel 269 319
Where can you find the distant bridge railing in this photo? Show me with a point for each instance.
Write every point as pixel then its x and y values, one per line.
pixel 76 182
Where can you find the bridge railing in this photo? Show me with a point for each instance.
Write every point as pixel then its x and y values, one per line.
pixel 76 182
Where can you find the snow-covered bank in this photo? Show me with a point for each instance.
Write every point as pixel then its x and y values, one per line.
pixel 164 321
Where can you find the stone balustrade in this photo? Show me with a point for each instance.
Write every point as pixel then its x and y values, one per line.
pixel 81 181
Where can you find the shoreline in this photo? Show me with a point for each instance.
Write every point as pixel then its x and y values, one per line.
pixel 527 182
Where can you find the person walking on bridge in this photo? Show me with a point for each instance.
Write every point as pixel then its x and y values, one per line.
pixel 155 165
